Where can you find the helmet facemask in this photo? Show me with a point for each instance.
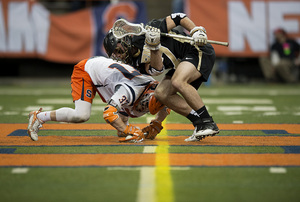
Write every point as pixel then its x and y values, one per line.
pixel 123 53
pixel 143 104
pixel 147 101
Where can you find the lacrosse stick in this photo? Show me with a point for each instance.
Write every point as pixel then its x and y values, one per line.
pixel 122 28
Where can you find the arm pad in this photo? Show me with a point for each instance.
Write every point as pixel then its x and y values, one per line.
pixel 110 114
pixel 177 17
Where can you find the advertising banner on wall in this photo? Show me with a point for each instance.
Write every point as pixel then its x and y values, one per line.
pixel 247 25
pixel 29 30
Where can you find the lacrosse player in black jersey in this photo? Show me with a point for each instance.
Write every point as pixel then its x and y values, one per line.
pixel 188 65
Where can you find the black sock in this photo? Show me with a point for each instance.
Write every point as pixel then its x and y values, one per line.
pixel 192 117
pixel 203 113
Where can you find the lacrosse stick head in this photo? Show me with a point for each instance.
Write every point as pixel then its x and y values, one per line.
pixel 118 49
pixel 122 28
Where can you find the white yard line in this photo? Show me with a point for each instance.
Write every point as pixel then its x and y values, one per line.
pixel 55 101
pixel 212 92
pixel 271 113
pixel 24 91
pixel 246 108
pixel 147 187
pixel 250 91
pixel 11 113
pixel 149 149
pixel 233 113
pixel 296 113
pixel 237 101
pixel 277 170
pixel 35 108
pixel 65 101
pixel 238 122
pixel 98 108
pixel 123 168
pixel 264 108
pixel 19 170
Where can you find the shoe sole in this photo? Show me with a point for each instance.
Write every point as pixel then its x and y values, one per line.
pixel 32 138
pixel 32 114
pixel 206 133
pixel 187 140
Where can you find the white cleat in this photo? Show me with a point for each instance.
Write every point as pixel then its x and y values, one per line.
pixel 193 138
pixel 206 127
pixel 34 125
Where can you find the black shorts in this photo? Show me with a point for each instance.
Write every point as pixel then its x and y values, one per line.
pixel 207 57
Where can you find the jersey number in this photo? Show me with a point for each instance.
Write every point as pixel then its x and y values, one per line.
pixel 125 72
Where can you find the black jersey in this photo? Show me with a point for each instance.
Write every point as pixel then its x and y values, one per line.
pixel 174 51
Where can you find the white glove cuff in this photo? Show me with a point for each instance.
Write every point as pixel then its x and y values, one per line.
pixel 196 29
pixel 153 48
pixel 155 72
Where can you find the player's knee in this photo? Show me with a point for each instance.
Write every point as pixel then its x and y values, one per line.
pixel 160 94
pixel 79 118
pixel 178 85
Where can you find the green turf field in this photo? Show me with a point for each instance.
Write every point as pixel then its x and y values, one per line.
pixel 165 179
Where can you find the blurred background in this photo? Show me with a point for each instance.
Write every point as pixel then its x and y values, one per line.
pixel 44 39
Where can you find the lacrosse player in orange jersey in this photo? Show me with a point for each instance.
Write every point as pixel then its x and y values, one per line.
pixel 127 92
pixel 189 65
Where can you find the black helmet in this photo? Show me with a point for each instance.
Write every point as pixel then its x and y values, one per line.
pixel 110 44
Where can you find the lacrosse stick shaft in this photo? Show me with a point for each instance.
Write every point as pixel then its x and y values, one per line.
pixel 218 43
pixel 189 39
pixel 122 28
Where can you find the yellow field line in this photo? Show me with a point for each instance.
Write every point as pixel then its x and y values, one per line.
pixel 164 184
pixel 155 183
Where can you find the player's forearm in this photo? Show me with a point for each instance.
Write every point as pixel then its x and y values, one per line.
pixel 185 22
pixel 156 60
pixel 161 115
pixel 155 67
pixel 119 125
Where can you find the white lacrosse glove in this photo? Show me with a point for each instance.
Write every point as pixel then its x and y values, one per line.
pixel 152 40
pixel 199 36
